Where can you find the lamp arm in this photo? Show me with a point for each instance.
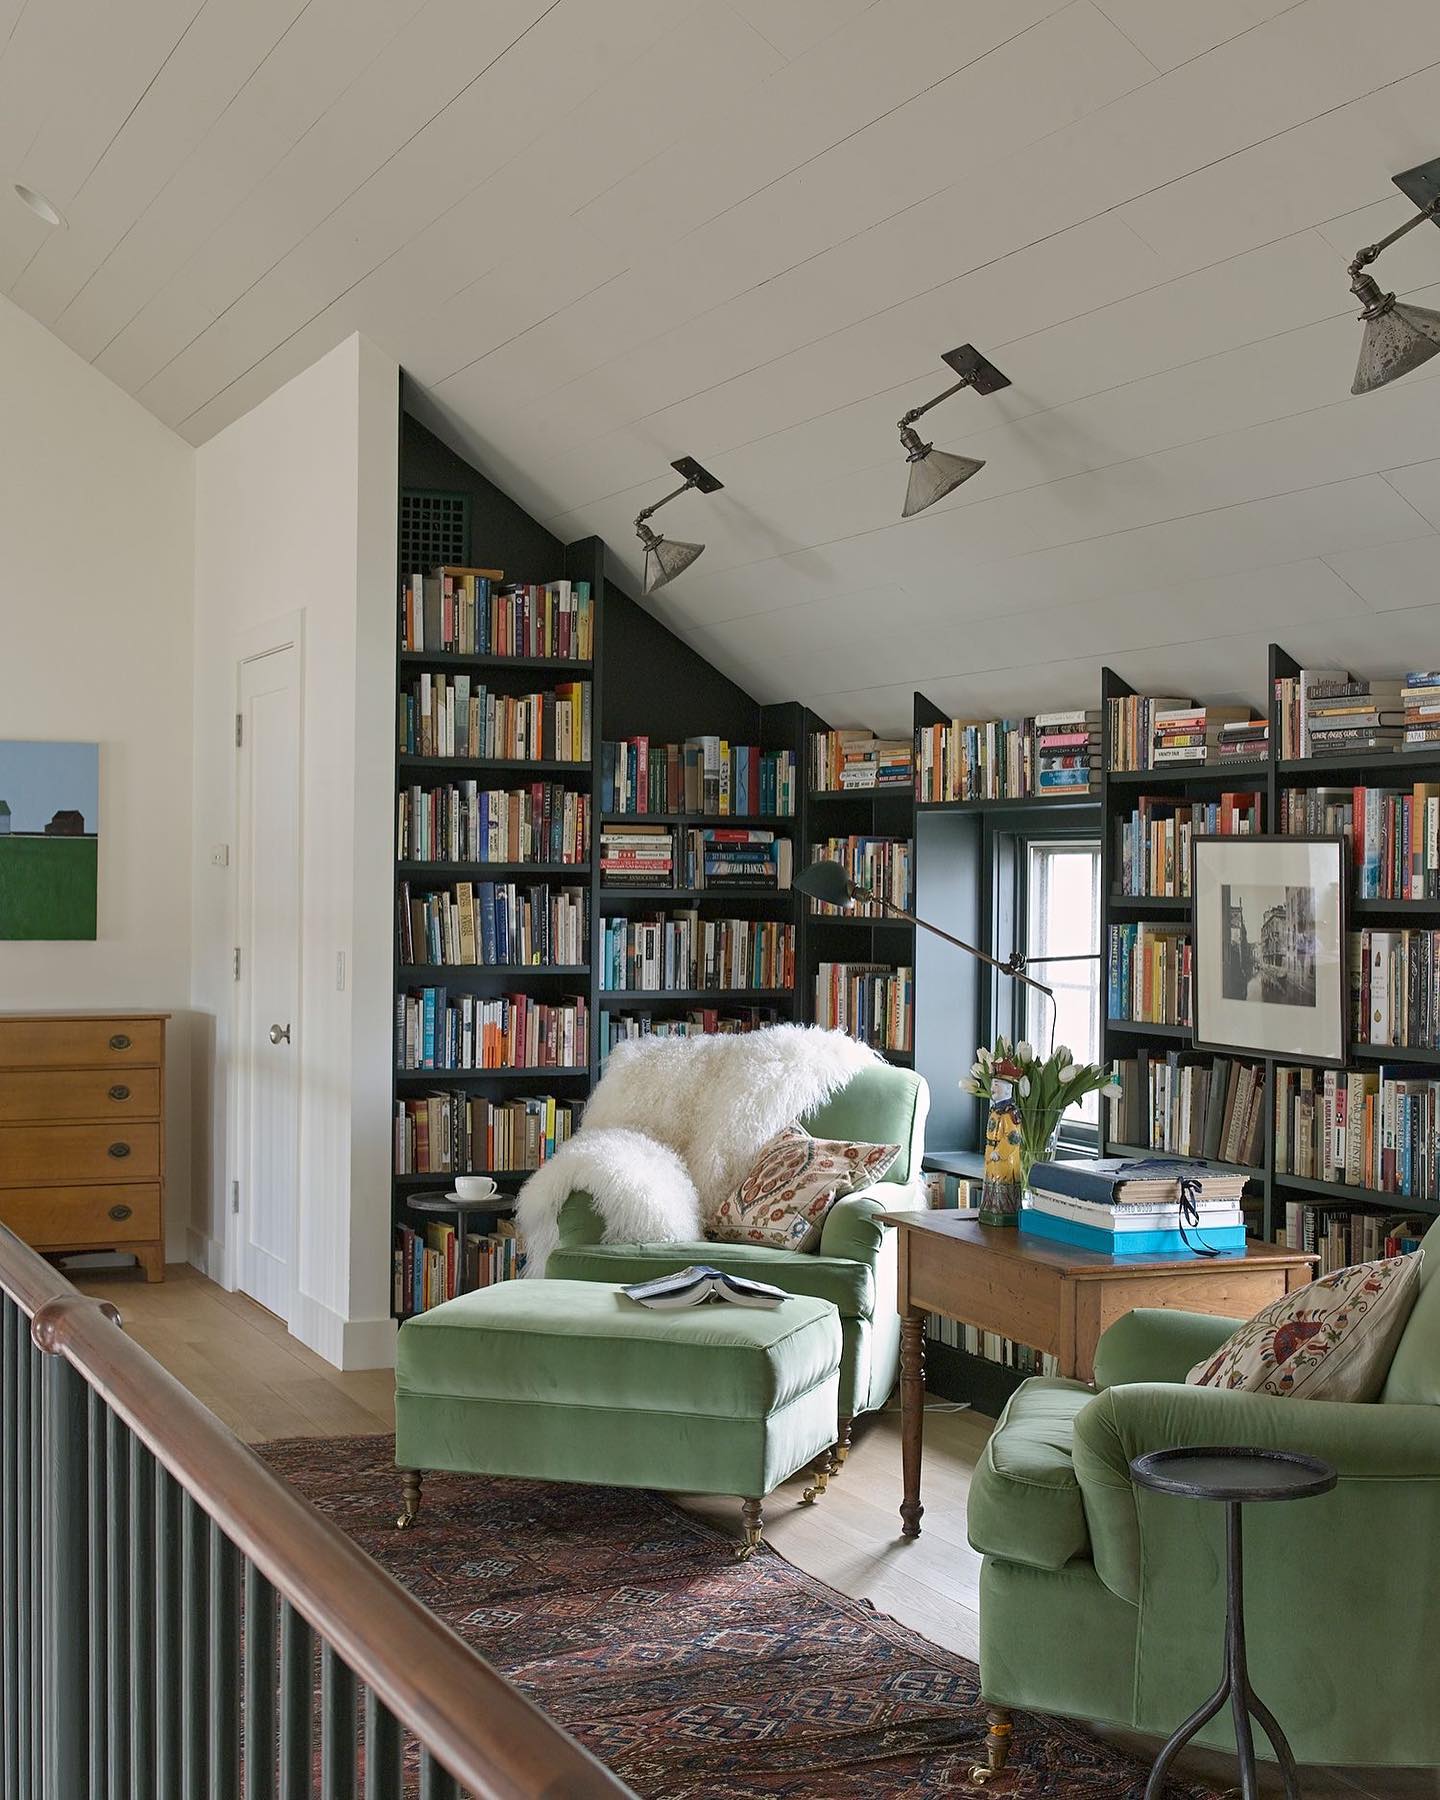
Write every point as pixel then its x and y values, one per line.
pixel 1365 257
pixel 919 412
pixel 900 912
pixel 646 512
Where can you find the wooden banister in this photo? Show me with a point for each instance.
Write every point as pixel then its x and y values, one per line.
pixel 494 1741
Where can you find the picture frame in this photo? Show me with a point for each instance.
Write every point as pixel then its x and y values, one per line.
pixel 1270 920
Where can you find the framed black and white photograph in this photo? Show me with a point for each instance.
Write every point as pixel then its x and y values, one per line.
pixel 1269 961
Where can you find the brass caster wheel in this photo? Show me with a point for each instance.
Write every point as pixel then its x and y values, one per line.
pixel 405 1521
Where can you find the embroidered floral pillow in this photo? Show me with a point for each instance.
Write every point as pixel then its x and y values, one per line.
pixel 1332 1340
pixel 791 1186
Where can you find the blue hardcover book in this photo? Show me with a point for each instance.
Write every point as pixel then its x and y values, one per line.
pixel 1229 1239
pixel 1104 1178
pixel 427 1042
pixel 485 913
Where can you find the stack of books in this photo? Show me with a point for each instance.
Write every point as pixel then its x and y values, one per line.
pixel 470 612
pixel 1341 1239
pixel 734 856
pixel 881 864
pixel 1067 750
pixel 544 823
pixel 1393 833
pixel 857 759
pixel 1378 1129
pixel 1189 1103
pixel 659 954
pixel 976 759
pixel 871 1001
pixel 705 1021
pixel 1132 728
pixel 1395 988
pixel 1190 733
pixel 494 922
pixel 1356 715
pixel 1128 1208
pixel 1152 845
pixel 1292 707
pixel 1243 740
pixel 637 856
pixel 702 775
pixel 453 716
pixel 1150 974
pixel 1420 698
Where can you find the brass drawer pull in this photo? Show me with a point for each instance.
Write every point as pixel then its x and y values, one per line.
pixel 120 1041
pixel 119 1151
pixel 117 1213
pixel 119 1091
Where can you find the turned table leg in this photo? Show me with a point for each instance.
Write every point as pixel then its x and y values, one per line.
pixel 752 1512
pixel 410 1482
pixel 998 1739
pixel 912 1416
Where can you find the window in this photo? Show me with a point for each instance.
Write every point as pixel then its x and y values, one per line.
pixel 1062 919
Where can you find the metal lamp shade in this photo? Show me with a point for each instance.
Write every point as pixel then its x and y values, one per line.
pixel 825 880
pixel 933 476
pixel 1398 338
pixel 665 559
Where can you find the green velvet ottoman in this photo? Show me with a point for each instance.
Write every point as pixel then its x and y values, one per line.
pixel 572 1381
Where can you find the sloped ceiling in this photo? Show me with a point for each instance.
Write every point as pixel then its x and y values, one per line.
pixel 604 233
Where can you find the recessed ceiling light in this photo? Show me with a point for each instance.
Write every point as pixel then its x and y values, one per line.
pixel 38 204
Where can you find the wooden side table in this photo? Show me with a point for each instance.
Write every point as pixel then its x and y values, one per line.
pixel 1056 1299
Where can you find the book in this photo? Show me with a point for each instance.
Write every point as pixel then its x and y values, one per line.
pixel 1141 1215
pixel 1124 1181
pixel 699 1283
pixel 1161 1241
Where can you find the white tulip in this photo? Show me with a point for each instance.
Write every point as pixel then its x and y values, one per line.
pixel 1023 1084
pixel 977 1067
pixel 1112 1090
pixel 1002 1045
pixel 1068 1074
pixel 1062 1052
pixel 969 1086
pixel 1025 1051
pixel 985 1056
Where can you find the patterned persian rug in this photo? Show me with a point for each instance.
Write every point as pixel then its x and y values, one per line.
pixel 692 1676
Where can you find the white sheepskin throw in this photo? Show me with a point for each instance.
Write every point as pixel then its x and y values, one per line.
pixel 673 1125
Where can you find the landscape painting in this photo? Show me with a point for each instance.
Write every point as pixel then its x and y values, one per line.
pixel 49 840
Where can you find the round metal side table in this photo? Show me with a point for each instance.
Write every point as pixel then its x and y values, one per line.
pixel 1237 1477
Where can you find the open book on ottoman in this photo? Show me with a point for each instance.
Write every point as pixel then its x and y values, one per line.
pixel 698 1283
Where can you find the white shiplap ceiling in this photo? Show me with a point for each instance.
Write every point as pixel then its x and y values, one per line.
pixel 604 233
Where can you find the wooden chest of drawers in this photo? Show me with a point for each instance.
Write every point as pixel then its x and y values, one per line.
pixel 82 1133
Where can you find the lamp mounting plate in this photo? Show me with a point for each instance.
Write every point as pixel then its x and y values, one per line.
pixel 690 470
pixel 979 371
pixel 1421 184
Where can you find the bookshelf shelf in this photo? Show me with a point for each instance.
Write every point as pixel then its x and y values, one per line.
pixel 578 873
pixel 1340 1190
pixel 1181 775
pixel 1062 802
pixel 705 821
pixel 433 973
pixel 694 894
pixel 413 1180
pixel 1386 908
pixel 541 1072
pixel 895 791
pixel 499 765
pixel 1143 1028
pixel 1166 903
pixel 1390 764
pixel 452 659
pixel 1394 1053
pixel 611 998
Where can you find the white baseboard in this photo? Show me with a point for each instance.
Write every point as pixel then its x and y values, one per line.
pixel 347 1343
pixel 207 1254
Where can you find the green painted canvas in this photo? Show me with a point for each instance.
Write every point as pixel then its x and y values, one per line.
pixel 49 840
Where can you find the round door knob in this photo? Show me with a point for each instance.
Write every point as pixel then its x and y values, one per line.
pixel 119 1091
pixel 119 1041
pixel 117 1213
pixel 119 1151
pixel 279 1034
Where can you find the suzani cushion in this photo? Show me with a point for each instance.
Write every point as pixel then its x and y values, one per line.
pixel 1332 1340
pixel 791 1186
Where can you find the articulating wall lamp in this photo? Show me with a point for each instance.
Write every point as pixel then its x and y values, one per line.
pixel 935 473
pixel 665 558
pixel 1398 337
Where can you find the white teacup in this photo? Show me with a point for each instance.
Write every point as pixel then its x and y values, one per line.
pixel 475 1187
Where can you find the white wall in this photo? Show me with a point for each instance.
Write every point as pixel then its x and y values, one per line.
pixel 96 580
pixel 295 513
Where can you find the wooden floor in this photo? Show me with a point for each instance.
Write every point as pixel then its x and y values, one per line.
pixel 264 1384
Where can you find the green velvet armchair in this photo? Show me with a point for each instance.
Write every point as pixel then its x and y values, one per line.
pixel 1104 1601
pixel 854 1265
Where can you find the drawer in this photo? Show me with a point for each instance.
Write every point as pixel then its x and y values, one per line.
pixel 76 1043
pixel 39 1095
pixel 52 1155
pixel 82 1217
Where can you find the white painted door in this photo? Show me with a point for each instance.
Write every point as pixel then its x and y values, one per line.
pixel 268 1113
